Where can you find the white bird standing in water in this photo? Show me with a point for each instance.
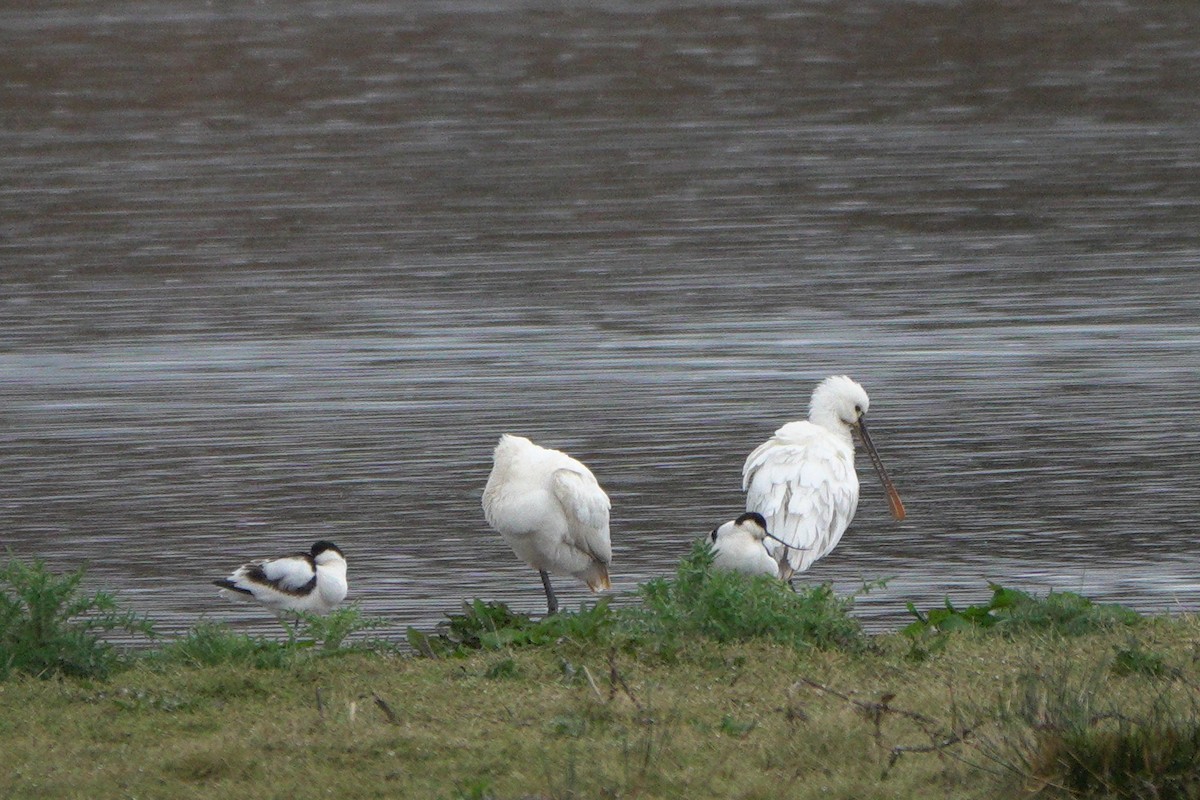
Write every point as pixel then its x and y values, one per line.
pixel 313 582
pixel 739 546
pixel 551 511
pixel 802 479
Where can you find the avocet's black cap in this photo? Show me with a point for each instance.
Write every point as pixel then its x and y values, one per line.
pixel 752 516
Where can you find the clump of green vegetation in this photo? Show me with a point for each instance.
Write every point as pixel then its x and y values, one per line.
pixel 481 626
pixel 727 606
pixel 333 630
pixel 1133 659
pixel 494 626
pixel 213 644
pixel 1011 611
pixel 48 627
pixel 699 602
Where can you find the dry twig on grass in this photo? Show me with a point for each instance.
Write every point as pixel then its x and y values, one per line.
pixel 877 710
pixel 386 709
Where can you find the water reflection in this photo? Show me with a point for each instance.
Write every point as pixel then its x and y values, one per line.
pixel 281 273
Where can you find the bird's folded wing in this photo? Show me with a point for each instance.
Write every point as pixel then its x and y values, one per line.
pixel 586 507
pixel 802 491
pixel 290 574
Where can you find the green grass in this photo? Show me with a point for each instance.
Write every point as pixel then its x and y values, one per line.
pixel 987 717
pixel 707 689
pixel 210 644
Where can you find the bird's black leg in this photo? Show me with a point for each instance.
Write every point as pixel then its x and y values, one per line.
pixel 551 600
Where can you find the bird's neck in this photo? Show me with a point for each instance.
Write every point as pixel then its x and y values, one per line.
pixel 831 422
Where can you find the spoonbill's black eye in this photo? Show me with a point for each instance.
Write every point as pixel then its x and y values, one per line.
pixel 858 410
pixel 714 534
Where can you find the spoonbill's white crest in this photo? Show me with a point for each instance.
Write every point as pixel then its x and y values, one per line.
pixel 738 545
pixel 551 511
pixel 802 479
pixel 305 582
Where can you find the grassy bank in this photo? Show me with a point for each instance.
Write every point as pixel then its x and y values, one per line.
pixel 1042 696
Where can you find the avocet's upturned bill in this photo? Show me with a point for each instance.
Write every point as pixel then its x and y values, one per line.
pixel 802 479
pixel 313 582
pixel 551 511
pixel 738 545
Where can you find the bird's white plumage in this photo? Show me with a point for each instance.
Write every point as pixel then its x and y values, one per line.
pixel 313 582
pixel 738 546
pixel 550 509
pixel 802 480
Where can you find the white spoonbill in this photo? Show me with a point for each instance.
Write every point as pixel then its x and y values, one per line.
pixel 738 545
pixel 551 511
pixel 305 582
pixel 802 479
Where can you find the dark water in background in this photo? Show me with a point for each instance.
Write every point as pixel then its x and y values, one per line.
pixel 277 271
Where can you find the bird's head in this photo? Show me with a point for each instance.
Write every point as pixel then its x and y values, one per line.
pixel 752 524
pixel 838 403
pixel 324 552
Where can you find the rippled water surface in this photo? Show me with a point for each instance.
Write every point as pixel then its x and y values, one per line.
pixel 282 271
